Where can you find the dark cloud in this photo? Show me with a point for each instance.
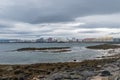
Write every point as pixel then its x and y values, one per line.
pixel 100 25
pixel 51 19
pixel 3 26
pixel 44 11
pixel 14 32
pixel 90 32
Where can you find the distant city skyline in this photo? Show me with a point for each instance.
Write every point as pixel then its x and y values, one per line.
pixel 32 19
pixel 106 39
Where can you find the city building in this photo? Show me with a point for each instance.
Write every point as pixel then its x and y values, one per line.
pixel 40 40
pixel 104 39
pixel 116 39
pixel 89 40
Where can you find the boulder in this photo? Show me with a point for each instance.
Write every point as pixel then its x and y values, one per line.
pixel 105 73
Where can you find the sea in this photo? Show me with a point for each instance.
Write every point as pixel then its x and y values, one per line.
pixel 78 52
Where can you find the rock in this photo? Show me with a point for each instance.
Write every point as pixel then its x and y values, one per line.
pixel 59 76
pixel 18 72
pixel 111 67
pixel 99 66
pixel 118 78
pixel 56 76
pixel 87 73
pixel 99 78
pixel 10 68
pixel 105 73
pixel 76 77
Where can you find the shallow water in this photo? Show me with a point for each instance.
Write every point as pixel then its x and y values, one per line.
pixel 79 52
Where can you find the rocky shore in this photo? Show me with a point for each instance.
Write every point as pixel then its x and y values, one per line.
pixel 86 70
pixel 107 68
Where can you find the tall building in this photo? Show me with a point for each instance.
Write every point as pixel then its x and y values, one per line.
pixel 50 39
pixel 40 40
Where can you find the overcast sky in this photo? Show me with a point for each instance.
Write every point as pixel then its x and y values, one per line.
pixel 59 18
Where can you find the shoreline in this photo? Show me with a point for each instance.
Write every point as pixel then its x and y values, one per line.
pixel 85 70
pixel 47 71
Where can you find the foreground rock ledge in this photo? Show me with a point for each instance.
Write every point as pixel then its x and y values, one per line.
pixel 54 71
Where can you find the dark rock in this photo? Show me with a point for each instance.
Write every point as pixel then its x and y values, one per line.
pixel 21 78
pixel 15 78
pixel 105 73
pixel 18 72
pixel 5 78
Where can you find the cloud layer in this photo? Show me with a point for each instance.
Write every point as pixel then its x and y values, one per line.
pixel 66 18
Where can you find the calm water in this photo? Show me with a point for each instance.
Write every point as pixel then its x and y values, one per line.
pixel 79 52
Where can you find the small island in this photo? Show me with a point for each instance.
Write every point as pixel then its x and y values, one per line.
pixel 104 46
pixel 49 49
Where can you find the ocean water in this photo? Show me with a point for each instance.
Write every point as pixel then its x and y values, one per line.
pixel 79 53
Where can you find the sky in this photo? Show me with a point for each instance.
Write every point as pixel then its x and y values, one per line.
pixel 31 19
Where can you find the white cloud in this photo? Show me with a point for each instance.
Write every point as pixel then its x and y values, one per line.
pixel 64 29
pixel 111 18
